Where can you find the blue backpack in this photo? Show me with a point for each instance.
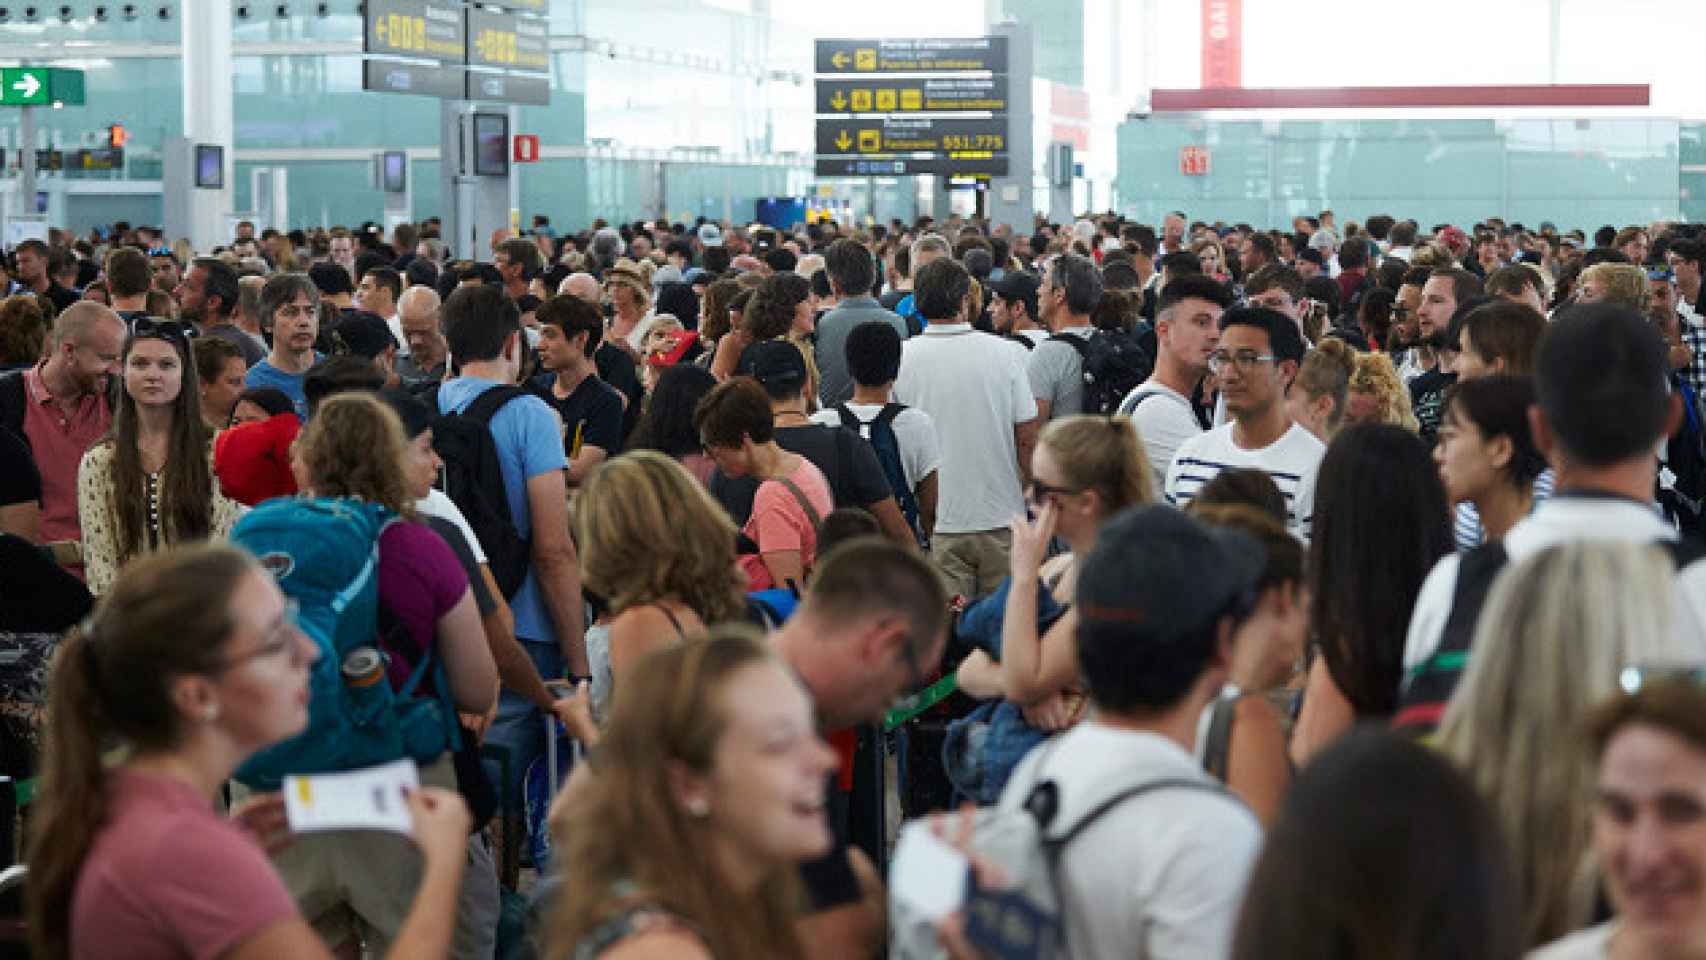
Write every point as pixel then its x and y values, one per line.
pixel 324 553
pixel 887 445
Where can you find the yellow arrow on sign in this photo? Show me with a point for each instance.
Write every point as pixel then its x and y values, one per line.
pixel 838 101
pixel 843 140
pixel 839 59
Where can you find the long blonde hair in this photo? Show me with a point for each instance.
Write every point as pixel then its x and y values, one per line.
pixel 623 828
pixel 648 531
pixel 1557 629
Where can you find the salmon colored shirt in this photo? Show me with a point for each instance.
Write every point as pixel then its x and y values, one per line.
pixel 58 442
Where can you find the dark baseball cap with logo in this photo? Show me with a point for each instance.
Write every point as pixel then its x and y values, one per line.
pixel 777 365
pixel 1018 286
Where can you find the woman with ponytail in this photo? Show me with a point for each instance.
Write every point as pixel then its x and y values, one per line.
pixel 192 663
pixel 1085 470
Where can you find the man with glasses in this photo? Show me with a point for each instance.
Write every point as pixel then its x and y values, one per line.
pixel 62 406
pixel 872 627
pixel 1254 365
pixel 290 307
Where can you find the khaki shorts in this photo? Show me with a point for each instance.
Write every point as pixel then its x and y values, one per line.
pixel 971 564
pixel 357 886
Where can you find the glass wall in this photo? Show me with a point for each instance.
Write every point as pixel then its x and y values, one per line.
pixel 1577 173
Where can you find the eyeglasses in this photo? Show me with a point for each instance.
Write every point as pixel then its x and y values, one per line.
pixel 281 638
pixel 1243 360
pixel 159 329
pixel 1633 678
pixel 1399 311
pixel 1040 490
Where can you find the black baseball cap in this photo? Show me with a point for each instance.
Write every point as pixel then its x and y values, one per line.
pixel 1018 286
pixel 1165 574
pixel 775 364
pixel 363 334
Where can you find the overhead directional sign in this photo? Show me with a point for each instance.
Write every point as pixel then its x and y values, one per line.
pixel 423 79
pixel 40 86
pixel 954 138
pixel 509 57
pixel 912 55
pixel 899 107
pixel 916 95
pixel 423 29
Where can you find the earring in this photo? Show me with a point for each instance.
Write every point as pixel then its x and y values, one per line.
pixel 699 807
pixel 211 713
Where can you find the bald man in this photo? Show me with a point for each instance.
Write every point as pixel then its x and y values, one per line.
pixel 429 353
pixel 582 285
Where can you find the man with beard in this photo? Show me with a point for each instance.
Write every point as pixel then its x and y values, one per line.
pixel 1442 295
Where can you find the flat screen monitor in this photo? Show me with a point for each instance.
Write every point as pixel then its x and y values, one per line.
pixel 395 171
pixel 491 145
pixel 209 166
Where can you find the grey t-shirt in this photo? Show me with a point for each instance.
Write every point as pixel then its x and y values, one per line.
pixel 1056 373
pixel 835 384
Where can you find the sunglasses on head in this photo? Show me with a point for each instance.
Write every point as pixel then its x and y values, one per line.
pixel 158 329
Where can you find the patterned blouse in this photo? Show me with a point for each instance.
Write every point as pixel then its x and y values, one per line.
pixel 97 509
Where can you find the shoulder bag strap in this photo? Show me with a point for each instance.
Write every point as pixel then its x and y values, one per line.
pixel 806 505
pixel 848 420
pixel 888 413
pixel 487 405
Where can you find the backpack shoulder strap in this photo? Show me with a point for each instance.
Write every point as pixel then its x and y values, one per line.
pixel 1476 571
pixel 805 504
pixel 848 420
pixel 1217 747
pixel 1095 813
pixel 885 417
pixel 487 405
pixel 1685 551
pixel 1079 344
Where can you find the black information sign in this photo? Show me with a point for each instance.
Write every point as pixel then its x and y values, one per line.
pixel 423 79
pixel 970 139
pixel 419 29
pixel 913 95
pixel 877 166
pixel 912 55
pixel 509 58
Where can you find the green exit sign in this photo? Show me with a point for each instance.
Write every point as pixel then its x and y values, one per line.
pixel 40 86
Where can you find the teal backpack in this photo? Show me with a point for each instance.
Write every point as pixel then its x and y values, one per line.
pixel 324 553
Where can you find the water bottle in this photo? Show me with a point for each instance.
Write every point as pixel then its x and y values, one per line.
pixel 363 667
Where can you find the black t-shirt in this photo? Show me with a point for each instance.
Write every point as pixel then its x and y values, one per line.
pixel 593 413
pixel 1429 390
pixel 61 297
pixel 19 480
pixel 616 369
pixel 855 476
pixel 40 595
pixel 829 880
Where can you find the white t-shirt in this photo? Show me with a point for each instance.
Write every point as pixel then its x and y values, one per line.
pixel 1035 335
pixel 920 452
pixel 973 386
pixel 1160 875
pixel 1594 943
pixel 1292 462
pixel 437 504
pixel 1562 519
pixel 1164 419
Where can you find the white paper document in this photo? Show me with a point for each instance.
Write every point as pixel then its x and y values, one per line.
pixel 370 799
pixel 928 874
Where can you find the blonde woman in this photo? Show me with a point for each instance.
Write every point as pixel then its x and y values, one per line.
pixel 1085 470
pixel 1213 258
pixel 1620 283
pixel 1557 630
pixel 1319 393
pixel 660 552
pixel 1375 394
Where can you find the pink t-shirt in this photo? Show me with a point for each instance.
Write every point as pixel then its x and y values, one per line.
pixel 167 877
pixel 779 522
pixel 59 443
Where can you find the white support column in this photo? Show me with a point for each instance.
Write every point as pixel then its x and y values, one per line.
pixel 199 214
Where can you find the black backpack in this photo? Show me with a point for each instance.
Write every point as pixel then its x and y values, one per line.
pixel 1428 686
pixel 1114 363
pixel 474 480
pixel 886 443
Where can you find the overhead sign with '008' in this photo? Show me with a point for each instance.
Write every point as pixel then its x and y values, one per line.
pixel 423 29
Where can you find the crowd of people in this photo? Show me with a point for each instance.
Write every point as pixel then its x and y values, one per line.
pixel 1331 591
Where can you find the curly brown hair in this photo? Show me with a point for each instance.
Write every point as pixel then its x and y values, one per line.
pixel 23 330
pixel 353 447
